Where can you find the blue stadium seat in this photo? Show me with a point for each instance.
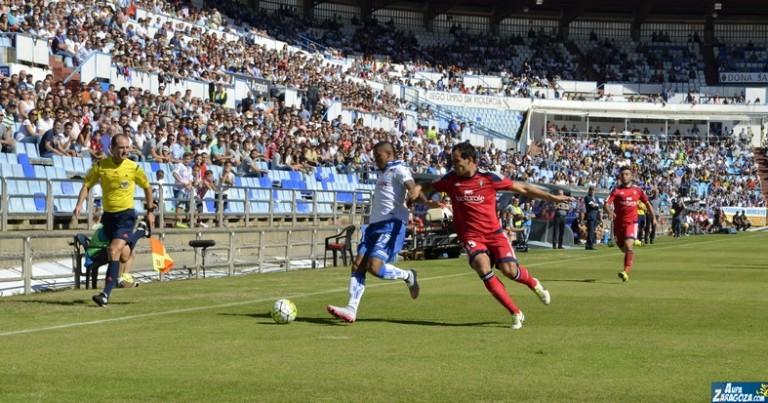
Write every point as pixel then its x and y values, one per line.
pixel 55 172
pixel 31 150
pixel 283 201
pixel 29 171
pixel 40 171
pixel 82 165
pixel 68 188
pixel 39 202
pixel 303 206
pixel 295 176
pixel 17 171
pixel 36 186
pixel 236 203
pixel 22 186
pixel 21 205
pixel 23 159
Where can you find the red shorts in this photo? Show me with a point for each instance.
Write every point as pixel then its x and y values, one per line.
pixel 624 230
pixel 497 246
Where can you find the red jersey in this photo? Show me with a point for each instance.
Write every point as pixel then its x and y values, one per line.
pixel 624 202
pixel 474 201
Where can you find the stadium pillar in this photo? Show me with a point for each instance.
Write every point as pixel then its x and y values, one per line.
pixel 429 22
pixel 495 24
pixel 366 11
pixel 252 4
pixel 307 8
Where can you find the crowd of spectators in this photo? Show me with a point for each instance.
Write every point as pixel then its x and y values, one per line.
pixel 80 120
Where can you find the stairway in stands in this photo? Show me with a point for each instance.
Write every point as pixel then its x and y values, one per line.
pixel 60 72
pixel 762 169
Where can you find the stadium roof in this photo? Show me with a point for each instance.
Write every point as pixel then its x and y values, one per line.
pixel 627 10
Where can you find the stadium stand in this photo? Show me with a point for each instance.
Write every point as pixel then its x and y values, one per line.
pixel 181 41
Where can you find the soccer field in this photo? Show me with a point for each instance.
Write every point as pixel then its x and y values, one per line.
pixel 693 313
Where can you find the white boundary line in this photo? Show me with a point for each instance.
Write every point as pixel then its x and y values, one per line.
pixel 260 300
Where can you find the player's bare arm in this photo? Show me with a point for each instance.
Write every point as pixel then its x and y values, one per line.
pixel 609 211
pixel 652 214
pixel 526 189
pixel 80 199
pixel 415 193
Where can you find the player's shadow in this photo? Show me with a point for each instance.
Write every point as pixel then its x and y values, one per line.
pixel 336 322
pixel 317 321
pixel 431 323
pixel 586 280
pixel 61 303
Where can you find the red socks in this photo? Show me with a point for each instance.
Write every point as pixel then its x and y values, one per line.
pixel 497 289
pixel 524 278
pixel 628 257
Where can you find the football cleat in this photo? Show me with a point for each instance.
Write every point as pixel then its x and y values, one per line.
pixel 101 299
pixel 624 276
pixel 346 314
pixel 143 226
pixel 517 320
pixel 413 284
pixel 542 293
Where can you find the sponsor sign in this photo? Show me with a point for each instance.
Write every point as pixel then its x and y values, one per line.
pixel 749 78
pixel 477 101
pixel 739 392
pixel 755 215
pixel 258 86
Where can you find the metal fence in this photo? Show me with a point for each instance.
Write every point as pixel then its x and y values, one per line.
pixel 245 250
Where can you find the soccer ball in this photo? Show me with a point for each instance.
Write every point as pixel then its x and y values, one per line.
pixel 284 311
pixel 638 242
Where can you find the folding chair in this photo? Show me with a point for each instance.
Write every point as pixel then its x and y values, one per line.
pixel 85 265
pixel 341 242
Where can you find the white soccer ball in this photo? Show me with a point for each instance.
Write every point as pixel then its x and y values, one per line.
pixel 284 311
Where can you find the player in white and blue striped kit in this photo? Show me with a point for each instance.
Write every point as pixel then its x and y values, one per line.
pixel 385 234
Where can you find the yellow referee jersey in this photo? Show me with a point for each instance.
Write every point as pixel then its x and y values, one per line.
pixel 118 183
pixel 641 208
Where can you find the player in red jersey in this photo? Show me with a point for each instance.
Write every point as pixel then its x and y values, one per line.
pixel 473 197
pixel 621 206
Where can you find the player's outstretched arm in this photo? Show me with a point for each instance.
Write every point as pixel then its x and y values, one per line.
pixel 529 190
pixel 416 195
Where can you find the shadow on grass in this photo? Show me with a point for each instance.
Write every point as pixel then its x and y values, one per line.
pixel 318 321
pixel 336 322
pixel 76 302
pixel 586 280
pixel 433 323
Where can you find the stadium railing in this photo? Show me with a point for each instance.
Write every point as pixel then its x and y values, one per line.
pixel 248 250
pixel 49 202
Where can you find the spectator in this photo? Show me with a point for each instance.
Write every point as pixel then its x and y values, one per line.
pixel 558 232
pixel 49 145
pixel 226 181
pixel 249 168
pixel 182 188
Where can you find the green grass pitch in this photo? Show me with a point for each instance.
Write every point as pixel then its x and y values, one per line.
pixel 693 312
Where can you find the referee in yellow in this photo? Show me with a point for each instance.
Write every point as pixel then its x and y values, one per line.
pixel 118 176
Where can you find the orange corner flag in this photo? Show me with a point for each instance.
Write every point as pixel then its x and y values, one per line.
pixel 160 260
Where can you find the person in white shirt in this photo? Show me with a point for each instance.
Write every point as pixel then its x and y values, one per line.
pixel 83 52
pixel 43 124
pixel 182 187
pixel 385 235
